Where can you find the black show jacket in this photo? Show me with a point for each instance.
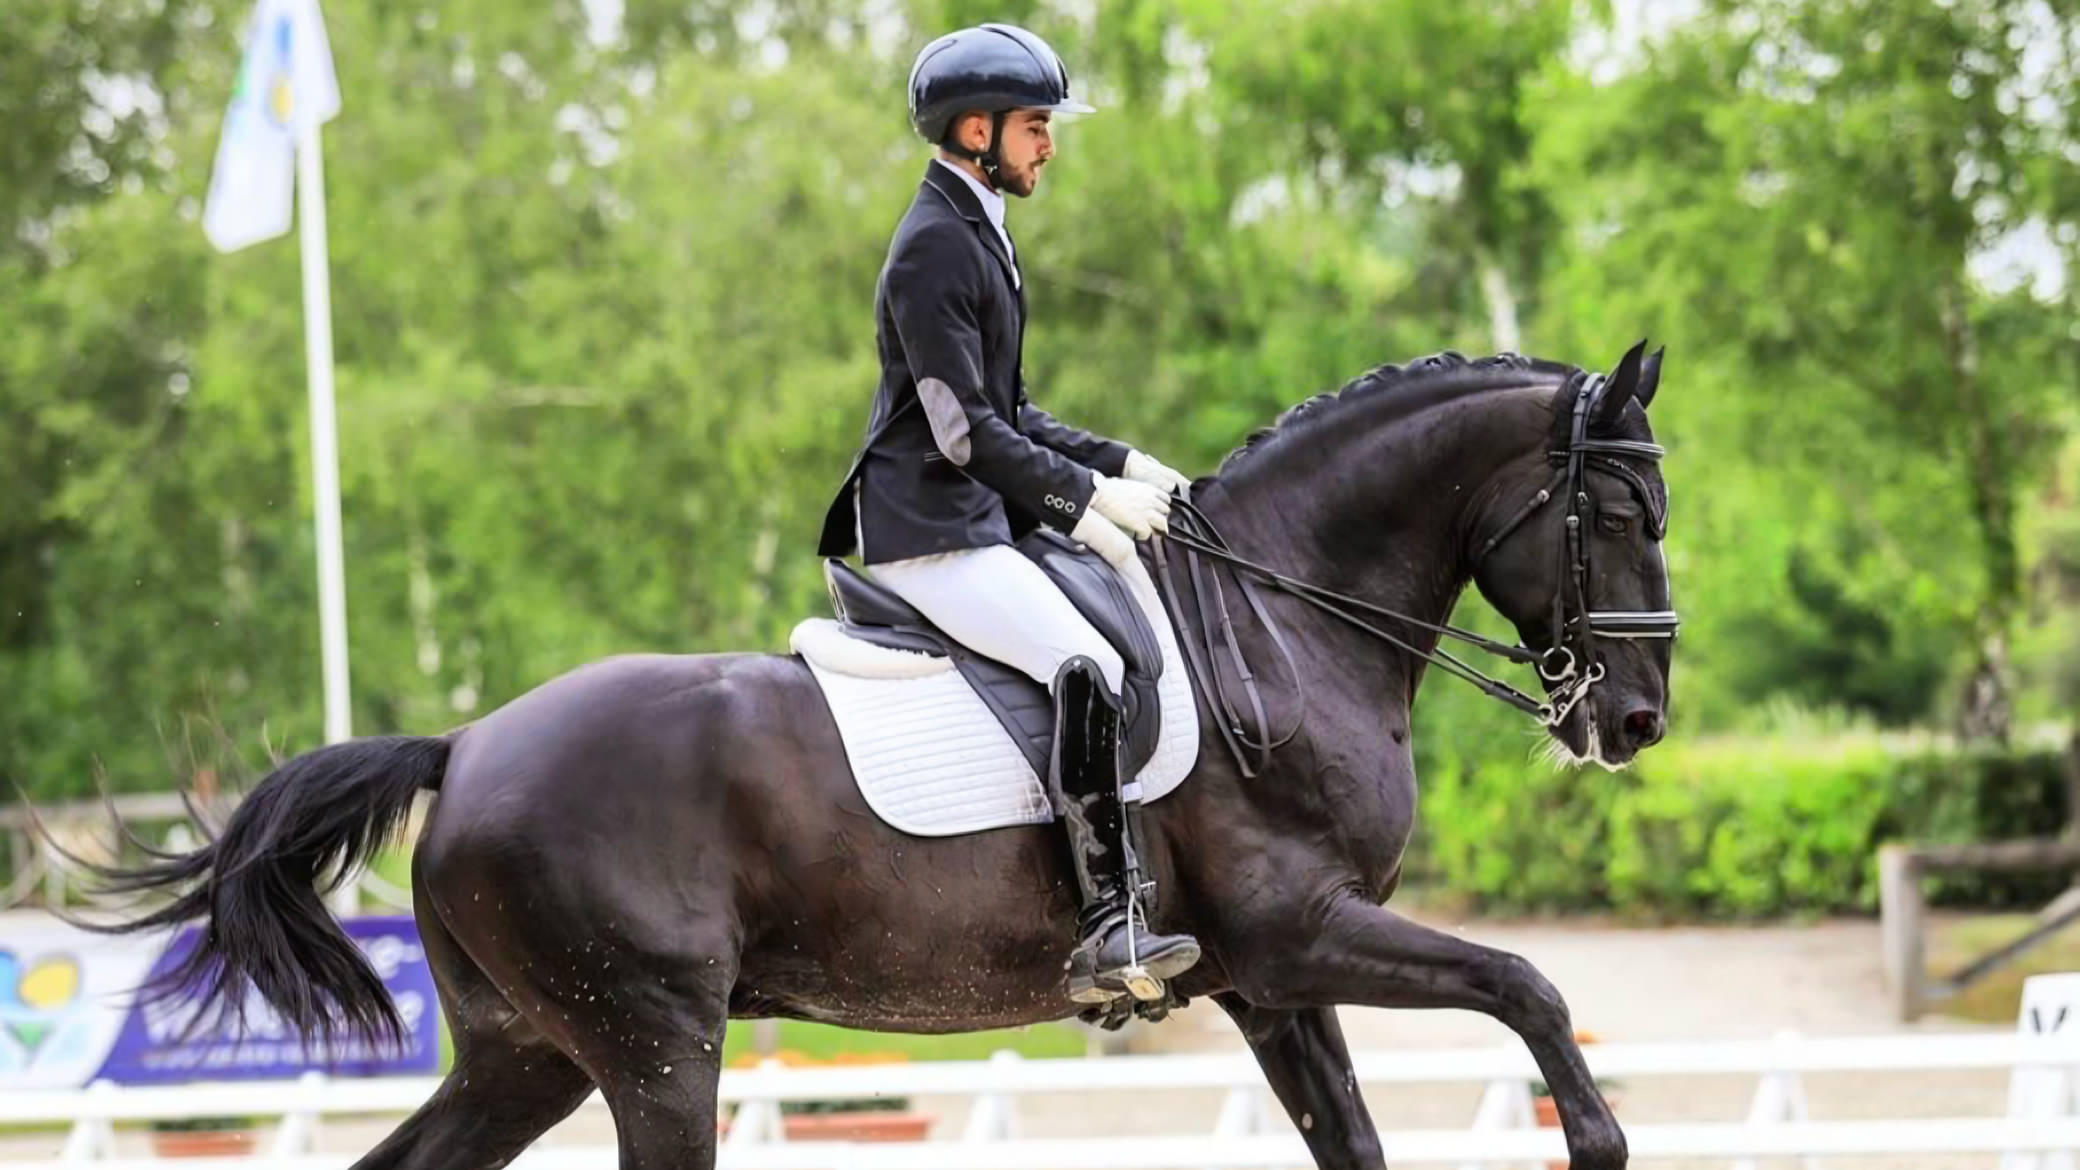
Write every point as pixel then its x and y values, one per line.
pixel 955 456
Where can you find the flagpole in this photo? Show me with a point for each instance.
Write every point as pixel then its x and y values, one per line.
pixel 317 349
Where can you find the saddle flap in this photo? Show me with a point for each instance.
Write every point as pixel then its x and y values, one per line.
pixel 1098 593
pixel 1101 595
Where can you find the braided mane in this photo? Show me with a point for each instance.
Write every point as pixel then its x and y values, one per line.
pixel 1417 385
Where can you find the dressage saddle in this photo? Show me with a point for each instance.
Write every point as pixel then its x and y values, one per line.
pixel 872 613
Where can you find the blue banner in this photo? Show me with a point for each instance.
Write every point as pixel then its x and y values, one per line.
pixel 150 1048
pixel 62 997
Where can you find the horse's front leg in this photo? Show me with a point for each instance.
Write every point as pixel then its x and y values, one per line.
pixel 1309 1068
pixel 1359 953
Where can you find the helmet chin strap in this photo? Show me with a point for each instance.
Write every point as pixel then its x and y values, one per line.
pixel 986 158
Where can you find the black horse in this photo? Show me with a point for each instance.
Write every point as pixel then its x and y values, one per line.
pixel 625 858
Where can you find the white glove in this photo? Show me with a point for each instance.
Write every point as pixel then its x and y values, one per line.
pixel 1135 506
pixel 1149 470
pixel 1104 538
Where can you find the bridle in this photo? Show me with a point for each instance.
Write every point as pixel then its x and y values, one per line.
pixel 1568 666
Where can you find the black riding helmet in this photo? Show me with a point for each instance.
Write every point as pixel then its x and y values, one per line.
pixel 994 68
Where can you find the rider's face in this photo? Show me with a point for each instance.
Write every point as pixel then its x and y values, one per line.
pixel 1027 144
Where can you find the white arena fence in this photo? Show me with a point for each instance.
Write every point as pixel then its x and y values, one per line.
pixel 2040 1130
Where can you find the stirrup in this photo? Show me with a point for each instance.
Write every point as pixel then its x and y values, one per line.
pixel 1087 985
pixel 1090 986
pixel 1142 975
pixel 1085 989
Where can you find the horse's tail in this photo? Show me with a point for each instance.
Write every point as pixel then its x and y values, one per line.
pixel 317 816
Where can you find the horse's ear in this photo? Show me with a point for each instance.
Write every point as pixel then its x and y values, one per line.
pixel 1649 378
pixel 1619 389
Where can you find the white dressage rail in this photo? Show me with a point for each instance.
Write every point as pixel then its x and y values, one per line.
pixel 2043 1125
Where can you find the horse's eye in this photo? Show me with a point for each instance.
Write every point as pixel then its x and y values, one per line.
pixel 1613 524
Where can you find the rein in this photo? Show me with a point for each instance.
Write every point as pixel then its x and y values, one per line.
pixel 1560 665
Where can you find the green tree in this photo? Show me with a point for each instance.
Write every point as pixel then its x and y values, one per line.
pixel 1793 194
pixel 604 335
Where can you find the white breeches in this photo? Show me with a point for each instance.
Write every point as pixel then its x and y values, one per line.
pixel 1000 605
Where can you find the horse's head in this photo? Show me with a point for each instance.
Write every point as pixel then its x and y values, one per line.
pixel 1570 551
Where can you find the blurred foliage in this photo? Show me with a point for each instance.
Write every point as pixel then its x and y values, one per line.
pixel 1752 827
pixel 602 303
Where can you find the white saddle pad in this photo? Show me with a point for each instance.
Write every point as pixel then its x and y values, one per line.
pixel 930 757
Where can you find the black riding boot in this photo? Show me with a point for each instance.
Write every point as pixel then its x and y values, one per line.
pixel 1117 952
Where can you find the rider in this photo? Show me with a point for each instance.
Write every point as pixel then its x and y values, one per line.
pixel 957 462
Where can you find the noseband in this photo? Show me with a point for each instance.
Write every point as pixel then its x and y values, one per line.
pixel 1561 665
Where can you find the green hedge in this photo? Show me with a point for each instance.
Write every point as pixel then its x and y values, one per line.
pixel 1732 829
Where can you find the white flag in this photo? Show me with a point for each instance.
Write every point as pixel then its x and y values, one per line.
pixel 285 83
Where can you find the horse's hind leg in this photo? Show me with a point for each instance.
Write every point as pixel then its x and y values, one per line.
pixel 655 1048
pixel 1303 1056
pixel 636 995
pixel 508 1087
pixel 489 1109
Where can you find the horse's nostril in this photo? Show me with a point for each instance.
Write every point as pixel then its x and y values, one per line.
pixel 1643 727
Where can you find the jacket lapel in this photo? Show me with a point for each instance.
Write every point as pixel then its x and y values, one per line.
pixel 962 197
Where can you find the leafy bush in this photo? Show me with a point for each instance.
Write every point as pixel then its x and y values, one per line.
pixel 1729 829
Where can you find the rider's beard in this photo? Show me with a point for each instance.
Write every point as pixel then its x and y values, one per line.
pixel 1020 182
